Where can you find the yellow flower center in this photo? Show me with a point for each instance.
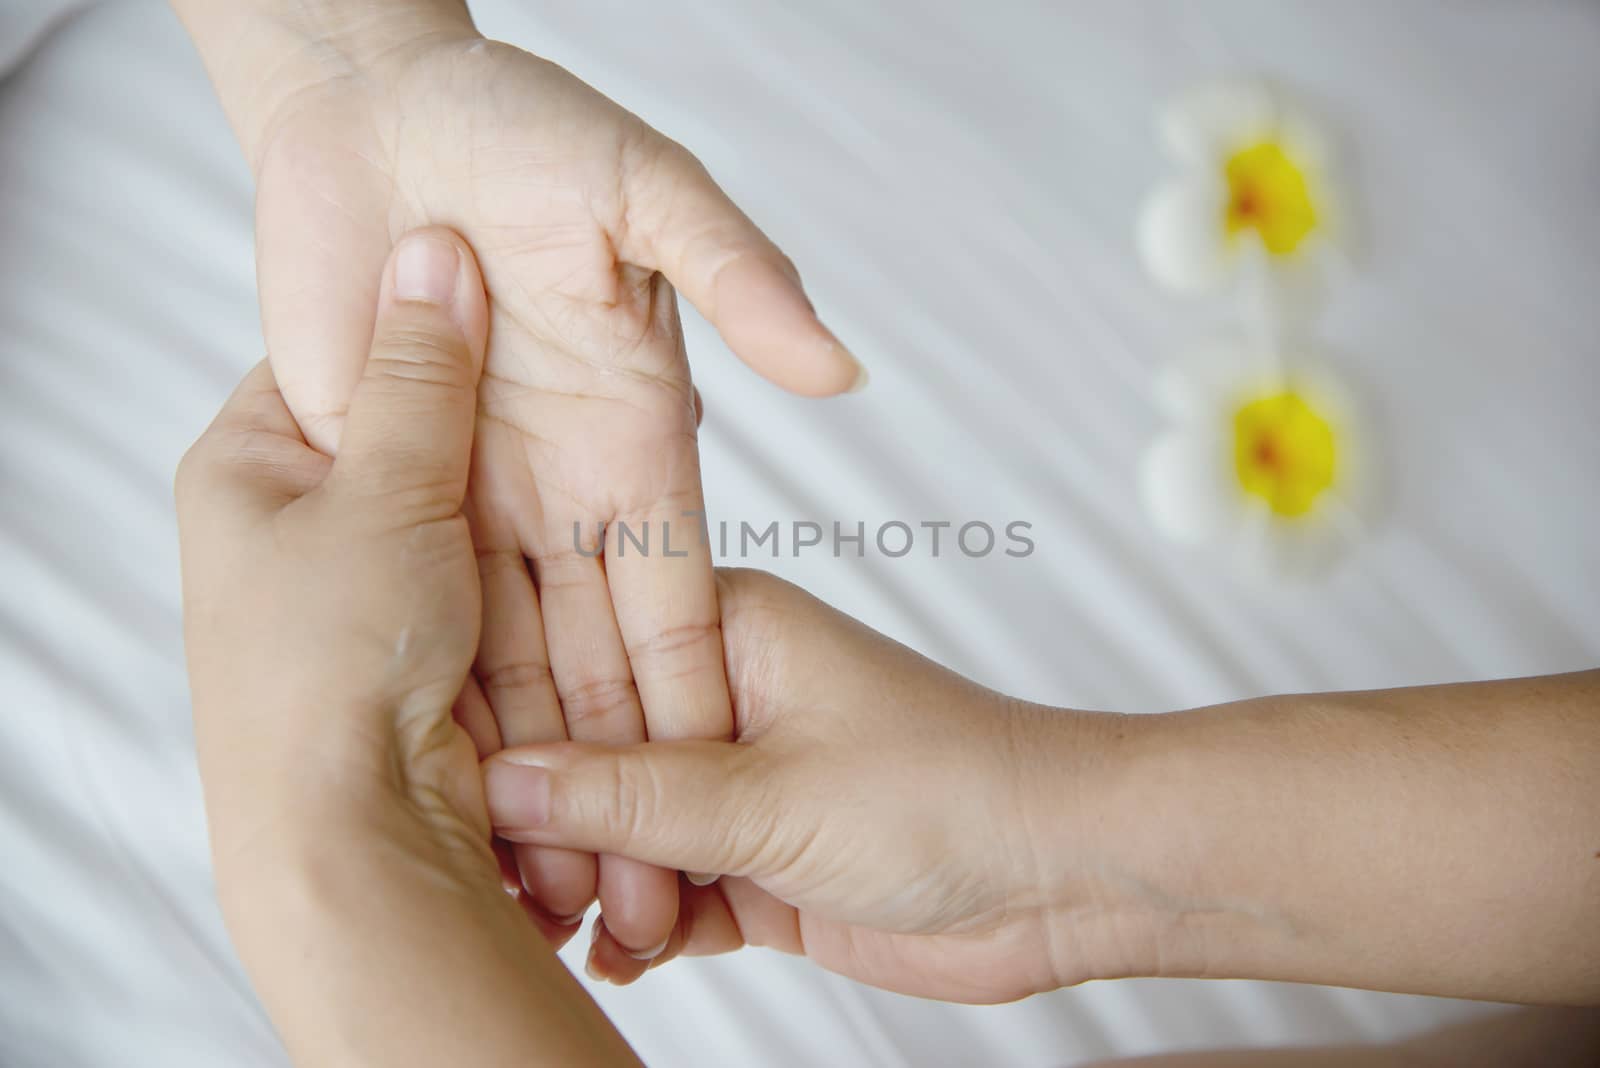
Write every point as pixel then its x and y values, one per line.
pixel 1267 193
pixel 1284 452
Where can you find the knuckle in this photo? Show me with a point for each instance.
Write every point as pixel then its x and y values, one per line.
pixel 753 837
pixel 513 676
pixel 565 568
pixel 414 354
pixel 600 708
pixel 427 493
pixel 636 799
pixel 677 642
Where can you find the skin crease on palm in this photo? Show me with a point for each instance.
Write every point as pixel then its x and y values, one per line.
pixel 577 210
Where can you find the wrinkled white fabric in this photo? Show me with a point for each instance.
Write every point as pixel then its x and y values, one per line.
pixel 959 184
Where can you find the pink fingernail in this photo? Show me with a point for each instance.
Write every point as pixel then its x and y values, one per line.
pixel 649 954
pixel 518 795
pixel 425 269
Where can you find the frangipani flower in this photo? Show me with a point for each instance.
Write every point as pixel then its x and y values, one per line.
pixel 1257 190
pixel 1266 458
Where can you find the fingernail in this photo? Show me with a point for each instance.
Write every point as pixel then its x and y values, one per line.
pixel 862 378
pixel 426 269
pixel 518 795
pixel 649 954
pixel 589 967
pixel 700 878
pixel 570 921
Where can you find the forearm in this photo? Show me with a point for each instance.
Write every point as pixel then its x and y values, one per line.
pixel 263 54
pixel 370 943
pixel 1443 840
pixel 1541 1037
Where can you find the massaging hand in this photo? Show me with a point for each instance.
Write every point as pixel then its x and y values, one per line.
pixel 903 826
pixel 363 124
pixel 332 607
pixel 879 813
pixel 331 614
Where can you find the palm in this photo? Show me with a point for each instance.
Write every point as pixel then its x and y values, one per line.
pixel 586 410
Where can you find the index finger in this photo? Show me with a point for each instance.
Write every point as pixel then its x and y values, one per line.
pixel 253 434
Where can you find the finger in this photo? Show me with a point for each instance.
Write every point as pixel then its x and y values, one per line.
pixel 256 404
pixel 252 454
pixel 600 704
pixel 709 924
pixel 512 664
pixel 606 961
pixel 666 607
pixel 559 930
pixel 589 664
pixel 408 435
pixel 763 920
pixel 682 224
pixel 471 711
pixel 695 806
pixel 664 593
pixel 706 926
pixel 609 959
pixel 640 903
pixel 699 407
pixel 510 881
pixel 514 673
pixel 555 931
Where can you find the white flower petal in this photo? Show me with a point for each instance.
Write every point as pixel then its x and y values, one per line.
pixel 1181 238
pixel 1209 122
pixel 1183 484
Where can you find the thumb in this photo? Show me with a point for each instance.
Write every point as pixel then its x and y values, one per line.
pixel 408 435
pixel 690 805
pixel 682 224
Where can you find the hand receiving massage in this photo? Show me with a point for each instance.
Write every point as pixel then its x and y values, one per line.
pixel 362 120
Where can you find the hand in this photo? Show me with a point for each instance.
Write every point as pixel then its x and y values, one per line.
pixel 900 825
pixel 587 414
pixel 332 607
pixel 331 613
pixel 878 813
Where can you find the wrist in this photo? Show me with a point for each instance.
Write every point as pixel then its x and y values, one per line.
pixel 296 857
pixel 353 782
pixel 269 60
pixel 1119 863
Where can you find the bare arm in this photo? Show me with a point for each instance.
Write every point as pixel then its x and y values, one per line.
pixel 1440 839
pixel 1543 1037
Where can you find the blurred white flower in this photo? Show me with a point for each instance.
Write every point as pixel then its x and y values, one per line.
pixel 1256 190
pixel 1266 459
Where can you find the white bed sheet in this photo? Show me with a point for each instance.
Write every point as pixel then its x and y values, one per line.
pixel 958 183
